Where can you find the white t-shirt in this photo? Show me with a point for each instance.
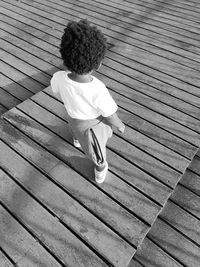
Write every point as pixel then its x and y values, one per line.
pixel 83 101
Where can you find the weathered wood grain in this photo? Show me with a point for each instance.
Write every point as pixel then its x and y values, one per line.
pixel 175 243
pixel 181 220
pixel 134 176
pixel 8 100
pixel 127 225
pixel 20 78
pixel 137 139
pixel 151 255
pixel 5 262
pixel 106 242
pixel 190 202
pixel 16 241
pixel 14 88
pixel 49 230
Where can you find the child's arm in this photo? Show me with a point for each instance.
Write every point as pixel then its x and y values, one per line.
pixel 114 120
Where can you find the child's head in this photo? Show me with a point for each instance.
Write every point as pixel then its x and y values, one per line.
pixel 82 47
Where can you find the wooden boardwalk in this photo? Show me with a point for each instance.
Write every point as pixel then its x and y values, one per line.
pixel 52 212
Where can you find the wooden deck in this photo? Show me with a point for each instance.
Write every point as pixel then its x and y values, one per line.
pixel 147 213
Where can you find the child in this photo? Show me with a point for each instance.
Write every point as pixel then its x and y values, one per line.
pixel 91 109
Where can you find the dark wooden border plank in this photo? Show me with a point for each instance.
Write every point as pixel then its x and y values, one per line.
pixel 4 260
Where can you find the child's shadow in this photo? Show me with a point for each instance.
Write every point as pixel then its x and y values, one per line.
pixel 82 165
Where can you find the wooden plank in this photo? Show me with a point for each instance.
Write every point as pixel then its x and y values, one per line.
pixel 188 5
pixel 8 100
pixel 191 180
pixel 190 202
pixel 182 220
pixel 2 110
pixel 4 261
pixel 157 119
pixel 135 263
pixel 22 22
pixel 171 8
pixel 25 42
pixel 194 5
pixel 151 255
pixel 106 242
pixel 59 240
pixel 124 223
pixel 22 79
pixel 158 12
pixel 31 59
pixel 24 67
pixel 137 81
pixel 136 138
pixel 156 74
pixel 175 244
pixel 152 100
pixel 19 245
pixel 14 88
pixel 195 166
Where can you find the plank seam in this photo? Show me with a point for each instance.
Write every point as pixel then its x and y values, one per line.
pixel 7 256
pixel 177 230
pixel 165 250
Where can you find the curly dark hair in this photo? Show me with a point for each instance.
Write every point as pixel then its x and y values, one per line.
pixel 82 47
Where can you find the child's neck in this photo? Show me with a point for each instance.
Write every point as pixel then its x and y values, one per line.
pixel 80 78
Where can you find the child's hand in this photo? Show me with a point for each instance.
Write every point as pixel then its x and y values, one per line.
pixel 121 129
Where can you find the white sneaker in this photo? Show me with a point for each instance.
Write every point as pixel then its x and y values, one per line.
pixel 100 176
pixel 76 142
